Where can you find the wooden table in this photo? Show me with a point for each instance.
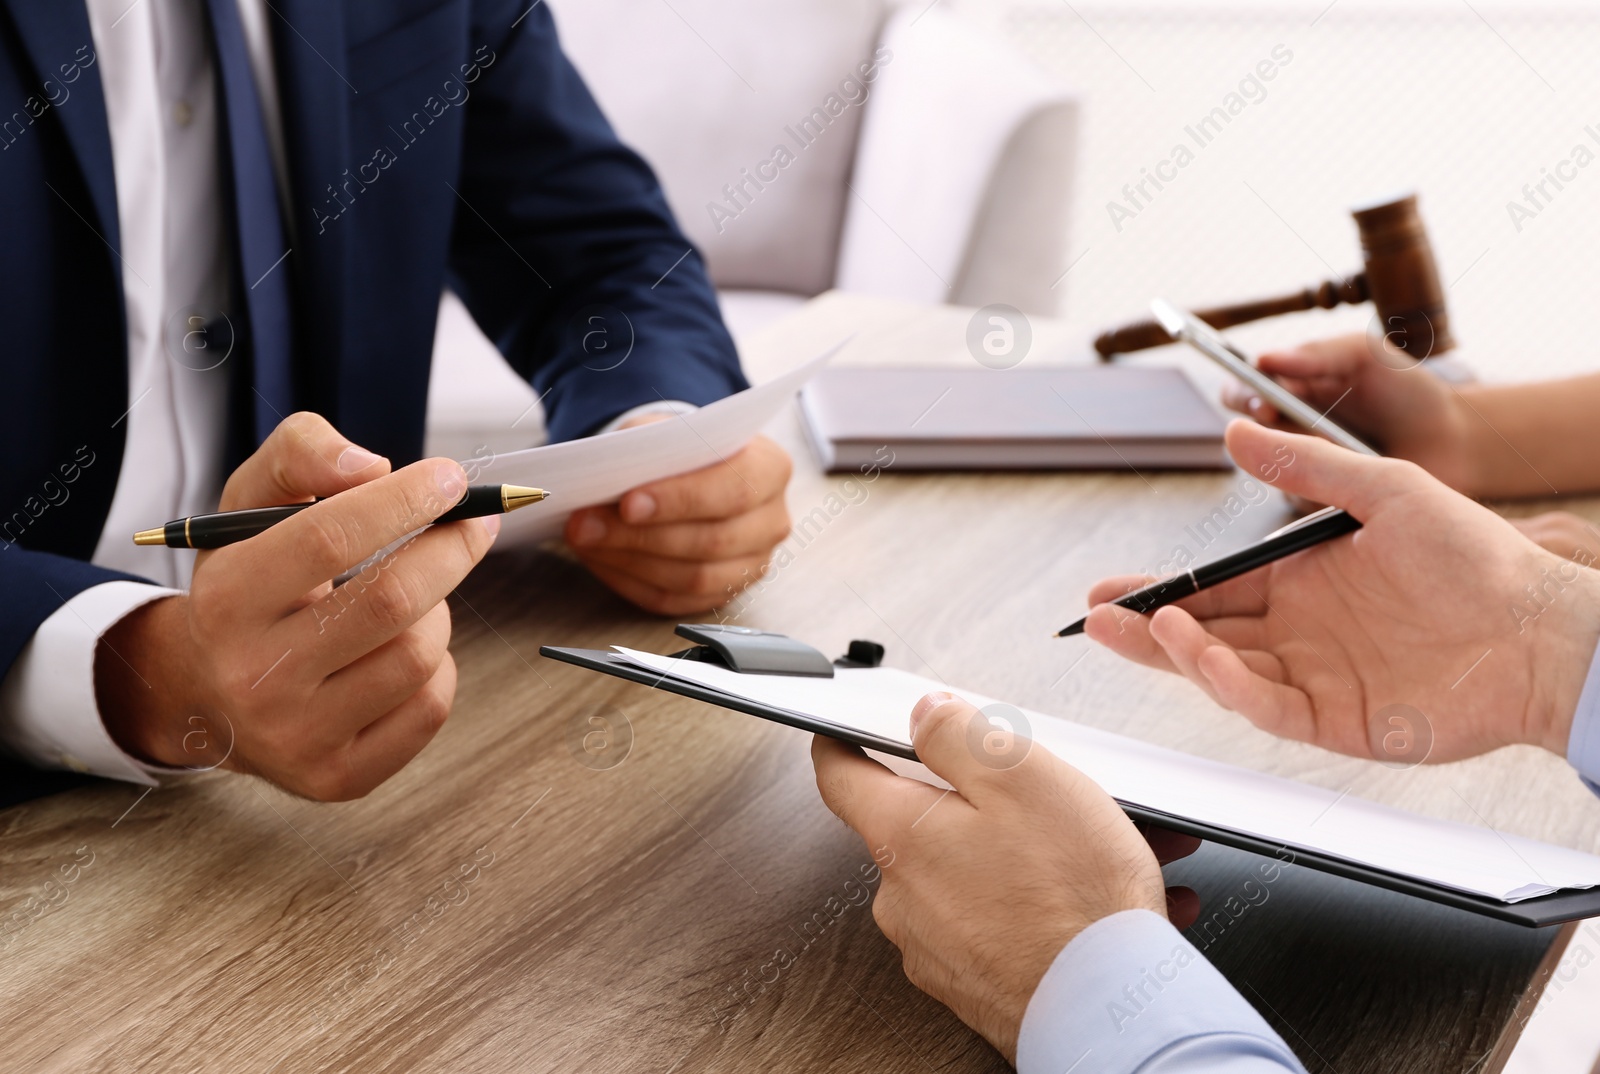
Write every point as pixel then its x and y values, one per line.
pixel 500 905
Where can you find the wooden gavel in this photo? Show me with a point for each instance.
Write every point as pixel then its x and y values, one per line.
pixel 1401 280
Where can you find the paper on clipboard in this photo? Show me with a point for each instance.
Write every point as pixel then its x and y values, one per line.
pixel 599 469
pixel 1479 861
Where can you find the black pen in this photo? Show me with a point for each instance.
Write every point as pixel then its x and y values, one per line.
pixel 226 527
pixel 1323 525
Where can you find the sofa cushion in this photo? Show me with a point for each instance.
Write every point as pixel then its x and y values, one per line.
pixel 709 90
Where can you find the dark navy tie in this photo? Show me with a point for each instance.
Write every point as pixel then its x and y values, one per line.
pixel 261 240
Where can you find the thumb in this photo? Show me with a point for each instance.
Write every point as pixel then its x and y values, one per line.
pixel 1319 470
pixel 961 744
pixel 303 457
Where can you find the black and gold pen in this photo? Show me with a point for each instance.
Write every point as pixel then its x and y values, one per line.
pixel 226 527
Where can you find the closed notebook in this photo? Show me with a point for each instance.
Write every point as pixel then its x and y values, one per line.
pixel 1064 418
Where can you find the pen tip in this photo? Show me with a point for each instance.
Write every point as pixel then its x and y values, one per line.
pixel 515 496
pixel 1066 632
pixel 150 537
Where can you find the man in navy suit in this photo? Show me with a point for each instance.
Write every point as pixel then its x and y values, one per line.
pixel 227 226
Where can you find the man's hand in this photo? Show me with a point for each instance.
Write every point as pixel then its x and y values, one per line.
pixel 1393 404
pixel 984 885
pixel 1435 632
pixel 690 543
pixel 1406 413
pixel 265 667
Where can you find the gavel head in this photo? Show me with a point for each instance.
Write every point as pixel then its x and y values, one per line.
pixel 1402 278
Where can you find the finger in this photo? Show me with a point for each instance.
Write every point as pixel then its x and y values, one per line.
pixel 1173 641
pixel 1563 533
pixel 1167 845
pixel 1340 357
pixel 1126 634
pixel 654 598
pixel 379 681
pixel 713 584
pixel 1184 640
pixel 389 595
pixel 755 532
pixel 864 794
pixel 1259 661
pixel 1275 707
pixel 1183 907
pixel 1232 597
pixel 303 457
pixel 278 567
pixel 1239 398
pixel 1239 631
pixel 389 743
pixel 724 489
pixel 941 724
pixel 1321 393
pixel 1321 470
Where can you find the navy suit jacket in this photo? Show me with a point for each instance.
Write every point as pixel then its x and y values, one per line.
pixel 427 142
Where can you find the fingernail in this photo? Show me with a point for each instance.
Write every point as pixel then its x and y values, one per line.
pixel 1255 404
pixel 928 703
pixel 638 507
pixel 590 530
pixel 355 459
pixel 452 481
pixel 492 524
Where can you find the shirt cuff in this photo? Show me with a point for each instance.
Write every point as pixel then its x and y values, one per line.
pixel 1583 743
pixel 49 716
pixel 1130 994
pixel 669 407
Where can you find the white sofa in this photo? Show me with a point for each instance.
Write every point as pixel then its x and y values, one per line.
pixel 945 178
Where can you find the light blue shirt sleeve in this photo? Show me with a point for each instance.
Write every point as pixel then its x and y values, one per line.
pixel 1583 744
pixel 1129 995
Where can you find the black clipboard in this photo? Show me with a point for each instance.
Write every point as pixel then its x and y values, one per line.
pixel 1553 909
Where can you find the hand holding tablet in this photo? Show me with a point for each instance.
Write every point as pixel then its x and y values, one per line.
pixel 1183 325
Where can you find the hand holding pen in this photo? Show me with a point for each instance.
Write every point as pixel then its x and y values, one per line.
pixel 1375 644
pixel 1297 536
pixel 265 664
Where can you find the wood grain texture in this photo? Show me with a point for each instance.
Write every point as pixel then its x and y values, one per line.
pixel 501 906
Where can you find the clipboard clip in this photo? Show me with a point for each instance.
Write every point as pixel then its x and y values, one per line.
pixel 764 652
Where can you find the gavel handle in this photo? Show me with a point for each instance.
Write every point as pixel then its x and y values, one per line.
pixel 1326 295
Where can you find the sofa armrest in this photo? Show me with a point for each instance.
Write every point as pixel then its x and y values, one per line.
pixel 1017 252
pixel 959 130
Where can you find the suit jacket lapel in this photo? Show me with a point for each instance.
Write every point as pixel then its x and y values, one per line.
pixel 53 31
pixel 309 51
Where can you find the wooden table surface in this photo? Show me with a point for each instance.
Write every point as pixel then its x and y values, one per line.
pixel 513 902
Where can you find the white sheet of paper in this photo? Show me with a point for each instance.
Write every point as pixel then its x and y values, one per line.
pixel 1296 815
pixel 599 469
